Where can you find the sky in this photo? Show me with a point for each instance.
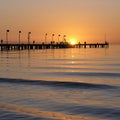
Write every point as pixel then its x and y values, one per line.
pixel 82 20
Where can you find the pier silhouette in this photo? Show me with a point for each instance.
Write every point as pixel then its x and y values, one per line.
pixel 45 45
pixel 51 45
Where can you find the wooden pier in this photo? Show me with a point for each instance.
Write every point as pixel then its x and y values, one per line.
pixel 4 47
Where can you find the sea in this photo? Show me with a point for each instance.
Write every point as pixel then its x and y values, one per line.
pixel 60 84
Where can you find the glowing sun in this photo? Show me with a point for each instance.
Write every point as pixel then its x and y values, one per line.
pixel 73 41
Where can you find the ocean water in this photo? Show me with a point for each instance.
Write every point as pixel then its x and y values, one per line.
pixel 60 84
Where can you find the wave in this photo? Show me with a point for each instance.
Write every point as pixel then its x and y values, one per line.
pixel 98 111
pixel 64 84
pixel 90 74
pixel 66 112
pixel 42 113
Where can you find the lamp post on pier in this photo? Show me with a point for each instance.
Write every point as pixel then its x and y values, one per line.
pixel 64 38
pixel 29 33
pixel 7 31
pixel 59 38
pixel 46 38
pixel 19 36
pixel 105 38
pixel 53 37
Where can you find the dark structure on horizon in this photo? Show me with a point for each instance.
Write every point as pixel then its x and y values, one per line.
pixel 51 45
pixel 45 45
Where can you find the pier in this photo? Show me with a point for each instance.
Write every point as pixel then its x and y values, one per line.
pixel 4 47
pixel 31 45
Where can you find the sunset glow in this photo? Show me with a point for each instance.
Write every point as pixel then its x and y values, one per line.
pixel 59 59
pixel 87 19
pixel 73 42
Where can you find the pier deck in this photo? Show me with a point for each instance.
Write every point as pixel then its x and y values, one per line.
pixel 4 47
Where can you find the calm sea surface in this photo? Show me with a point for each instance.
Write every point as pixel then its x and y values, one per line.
pixel 60 84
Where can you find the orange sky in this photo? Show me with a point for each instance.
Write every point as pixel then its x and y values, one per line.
pixel 83 20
